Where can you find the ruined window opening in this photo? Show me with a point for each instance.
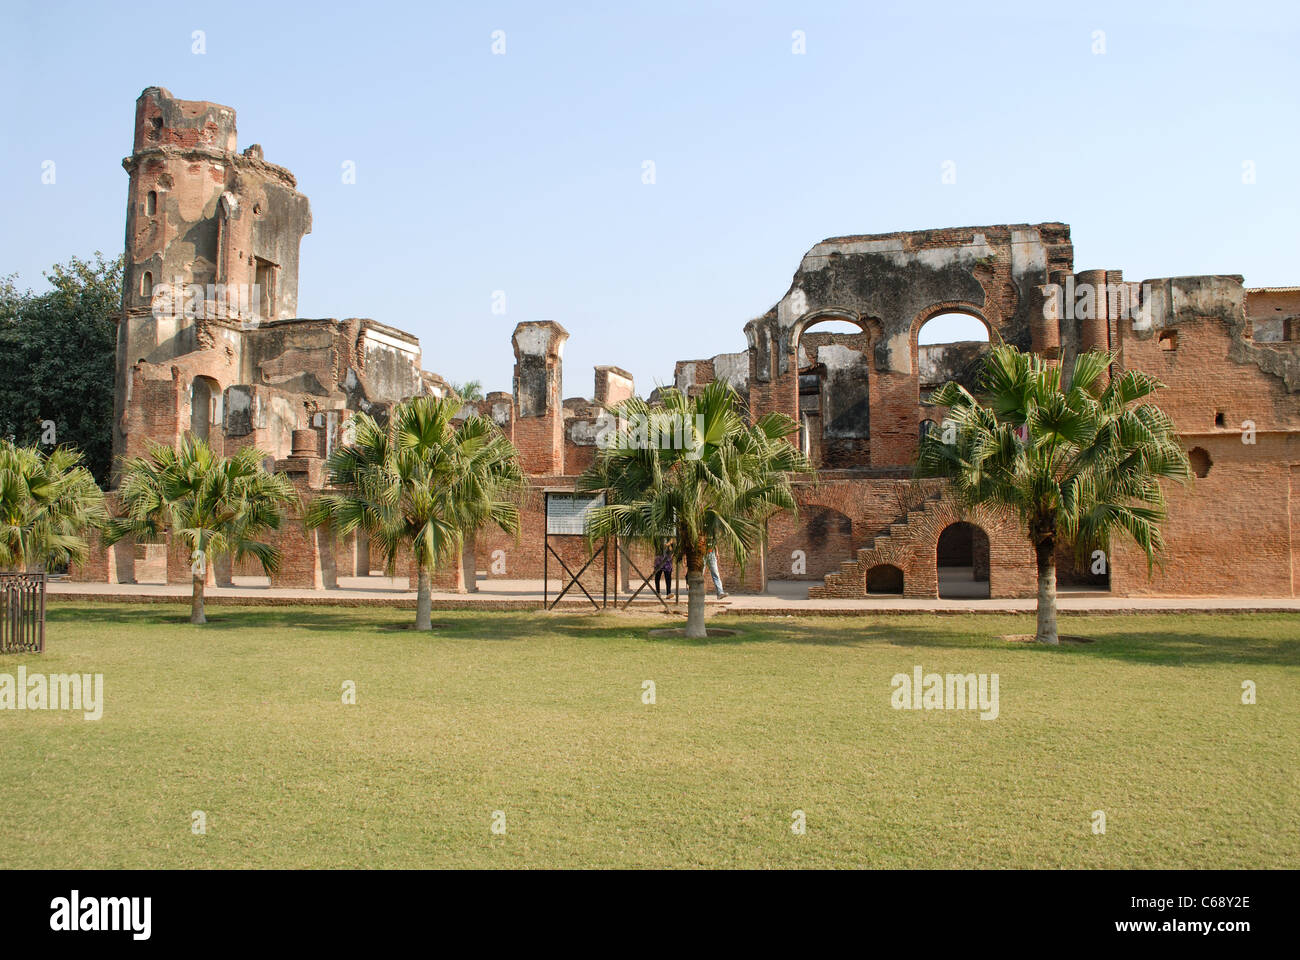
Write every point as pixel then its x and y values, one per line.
pixel 1200 461
pixel 810 432
pixel 950 347
pixel 155 128
pixel 205 406
pixel 951 328
pixel 1169 340
pixel 146 283
pixel 833 392
pixel 151 203
pixel 1219 419
pixel 925 428
pixel 265 277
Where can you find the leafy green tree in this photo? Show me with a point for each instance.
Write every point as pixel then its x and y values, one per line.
pixel 421 483
pixel 48 503
pixel 1073 464
pixel 57 350
pixel 215 506
pixel 713 483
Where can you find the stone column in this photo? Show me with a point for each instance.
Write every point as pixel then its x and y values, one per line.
pixel 538 421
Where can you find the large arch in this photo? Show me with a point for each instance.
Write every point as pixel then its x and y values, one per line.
pixel 962 561
pixel 956 355
pixel 923 365
pixel 832 386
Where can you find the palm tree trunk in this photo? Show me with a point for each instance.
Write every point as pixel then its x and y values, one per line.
pixel 196 600
pixel 459 563
pixel 695 557
pixel 422 621
pixel 469 562
pixel 1046 554
pixel 695 604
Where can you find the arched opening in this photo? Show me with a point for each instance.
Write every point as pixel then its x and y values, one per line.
pixel 833 401
pixel 962 558
pixel 151 203
pixel 205 406
pixel 950 346
pixel 885 579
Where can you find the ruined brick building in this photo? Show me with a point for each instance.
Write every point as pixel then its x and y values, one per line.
pixel 209 341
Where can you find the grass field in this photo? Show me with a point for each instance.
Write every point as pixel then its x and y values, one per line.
pixel 541 717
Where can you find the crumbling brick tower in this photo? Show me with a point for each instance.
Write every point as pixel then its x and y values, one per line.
pixel 212 239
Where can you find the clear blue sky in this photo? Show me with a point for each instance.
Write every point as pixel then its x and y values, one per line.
pixel 523 172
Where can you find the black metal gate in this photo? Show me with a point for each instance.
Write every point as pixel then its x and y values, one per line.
pixel 22 612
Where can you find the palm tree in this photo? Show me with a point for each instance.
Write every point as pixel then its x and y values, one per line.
pixel 714 481
pixel 470 391
pixel 484 490
pixel 215 506
pixel 421 483
pixel 47 503
pixel 1073 465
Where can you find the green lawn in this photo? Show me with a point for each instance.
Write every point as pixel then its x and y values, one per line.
pixel 541 716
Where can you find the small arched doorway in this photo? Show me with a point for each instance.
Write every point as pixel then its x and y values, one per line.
pixel 205 406
pixel 885 579
pixel 962 561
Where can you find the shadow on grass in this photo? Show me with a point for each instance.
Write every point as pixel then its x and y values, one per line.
pixel 339 620
pixel 1151 639
pixel 1260 639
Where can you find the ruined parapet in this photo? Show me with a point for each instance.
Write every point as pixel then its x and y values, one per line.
pixel 613 385
pixel 434 385
pixel 584 423
pixel 733 368
pixel 498 406
pixel 1177 313
pixel 538 414
pixel 1274 314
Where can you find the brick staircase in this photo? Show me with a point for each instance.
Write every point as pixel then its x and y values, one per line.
pixel 892 545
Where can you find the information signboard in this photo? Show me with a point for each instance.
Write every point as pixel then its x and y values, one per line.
pixel 566 513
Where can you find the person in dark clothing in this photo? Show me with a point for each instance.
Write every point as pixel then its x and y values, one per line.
pixel 664 568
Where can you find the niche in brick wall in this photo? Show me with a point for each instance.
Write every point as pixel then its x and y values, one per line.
pixel 1200 461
